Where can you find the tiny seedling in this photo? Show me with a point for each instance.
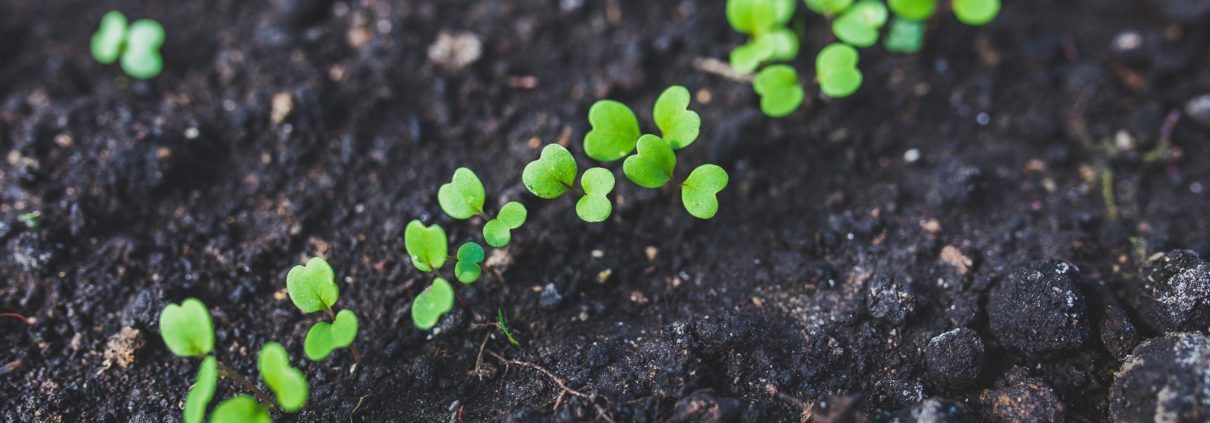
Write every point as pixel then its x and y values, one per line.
pixel 136 47
pixel 31 219
pixel 463 198
pixel 554 172
pixel 312 288
pixel 779 90
pixel 614 131
pixel 700 190
pixel 765 21
pixel 500 320
pixel 594 206
pixel 432 303
pixel 240 409
pixel 286 382
pixel 859 24
pixel 836 68
pixel 652 166
pixel 915 10
pixel 905 36
pixel 976 12
pixel 426 245
pixel 467 268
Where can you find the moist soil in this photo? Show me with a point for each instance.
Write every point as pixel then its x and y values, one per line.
pixel 856 249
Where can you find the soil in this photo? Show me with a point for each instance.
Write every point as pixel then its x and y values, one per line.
pixel 853 234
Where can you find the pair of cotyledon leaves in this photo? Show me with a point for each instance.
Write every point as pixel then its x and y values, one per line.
pixel 554 174
pixel 765 21
pixel 312 288
pixel 137 45
pixel 429 250
pixel 463 197
pixel 188 331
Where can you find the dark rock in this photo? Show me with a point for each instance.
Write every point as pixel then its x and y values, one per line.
pixel 1039 308
pixel 1019 398
pixel 955 358
pixel 1173 293
pixel 1165 379
pixel 889 299
pixel 938 410
pixel 705 406
pixel 1117 332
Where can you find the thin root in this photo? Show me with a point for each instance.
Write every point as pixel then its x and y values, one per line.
pixel 601 411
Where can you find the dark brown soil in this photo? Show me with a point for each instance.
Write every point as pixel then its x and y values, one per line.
pixel 833 263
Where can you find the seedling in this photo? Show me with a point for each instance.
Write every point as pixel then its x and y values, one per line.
pixel 137 46
pixel 503 323
pixel 432 303
pixel 836 68
pixel 31 219
pixel 976 12
pixel 652 166
pixel 463 197
pixel 554 172
pixel 427 245
pixel 467 268
pixel 828 7
pixel 765 21
pixel 700 190
pixel 916 10
pixel 188 331
pixel 779 90
pixel 312 288
pixel 905 36
pixel 614 131
pixel 859 24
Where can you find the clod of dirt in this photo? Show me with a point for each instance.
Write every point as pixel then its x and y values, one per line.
pixel 1117 332
pixel 454 51
pixel 1165 379
pixel 1039 309
pixel 938 410
pixel 1173 292
pixel 889 299
pixel 705 406
pixel 955 358
pixel 1020 398
pixel 1198 109
pixel 956 184
pixel 121 348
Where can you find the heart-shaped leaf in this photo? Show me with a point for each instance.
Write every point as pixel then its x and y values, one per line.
pixel 325 337
pixel 312 287
pixel 758 16
pixel 142 56
pixel 595 206
pixel 467 269
pixel 677 123
pixel 463 196
pixel 652 166
pixel 107 41
pixel 836 68
pixel 498 232
pixel 202 391
pixel 700 189
pixel 615 129
pixel 186 328
pixel 976 12
pixel 552 174
pixel 240 409
pixel 859 24
pixel 287 383
pixel 426 245
pixel 747 57
pixel 915 10
pixel 779 90
pixel 432 303
pixel 828 7
pixel 782 42
pixel 905 36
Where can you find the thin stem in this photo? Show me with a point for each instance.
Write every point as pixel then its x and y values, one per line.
pixel 572 188
pixel 231 374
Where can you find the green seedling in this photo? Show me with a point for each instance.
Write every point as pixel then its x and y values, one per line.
pixel 700 190
pixel 554 172
pixel 765 21
pixel 779 90
pixel 312 288
pixel 905 36
pixel 828 7
pixel 500 320
pixel 836 68
pixel 463 198
pixel 467 268
pixel 31 219
pixel 136 46
pixel 652 166
pixel 614 132
pixel 594 206
pixel 187 329
pixel 286 382
pixel 916 10
pixel 976 12
pixel 498 232
pixel 678 125
pixel 240 409
pixel 432 303
pixel 859 24
pixel 202 391
pixel 427 246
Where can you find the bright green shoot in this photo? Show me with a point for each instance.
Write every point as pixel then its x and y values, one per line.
pixel 137 45
pixel 552 174
pixel 286 382
pixel 779 90
pixel 905 36
pixel 426 245
pixel 498 232
pixel 652 166
pixel 679 125
pixel 859 24
pixel 187 329
pixel 202 392
pixel 836 68
pixel 312 288
pixel 594 206
pixel 765 21
pixel 324 337
pixel 700 190
pixel 976 12
pixel 240 409
pixel 755 17
pixel 503 323
pixel 463 198
pixel 615 129
pixel 432 303
pixel 916 10
pixel 469 256
pixel 828 7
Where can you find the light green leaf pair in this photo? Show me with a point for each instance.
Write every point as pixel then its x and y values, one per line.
pixel 614 132
pixel 287 383
pixel 202 391
pixel 432 303
pixel 240 409
pixel 653 165
pixel 312 287
pixel 137 45
pixel 976 12
pixel 187 329
pixel 463 196
pixel 467 269
pixel 324 337
pixel 107 41
pixel 836 68
pixel 700 190
pixel 859 24
pixel 777 44
pixel 498 232
pixel 426 245
pixel 915 10
pixel 595 206
pixel 779 90
pixel 828 7
pixel 553 173
pixel 905 36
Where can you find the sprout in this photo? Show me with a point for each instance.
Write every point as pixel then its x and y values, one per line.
pixel 498 232
pixel 779 90
pixel 107 41
pixel 463 197
pixel 828 7
pixel 765 21
pixel 614 131
pixel 312 287
pixel 503 323
pixel 859 24
pixel 186 328
pixel 905 36
pixel 287 383
pixel 915 10
pixel 323 337
pixel 678 124
pixel 467 269
pixel 138 46
pixel 202 392
pixel 976 12
pixel 426 245
pixel 594 206
pixel 432 303
pixel 240 409
pixel 700 189
pixel 836 68
pixel 652 166
pixel 552 175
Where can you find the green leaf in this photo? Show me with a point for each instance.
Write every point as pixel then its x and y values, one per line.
pixel 287 383
pixel 677 123
pixel 859 24
pixel 615 129
pixel 836 69
pixel 976 12
pixel 312 287
pixel 432 303
pixel 426 245
pixel 747 57
pixel 202 391
pixel 782 41
pixel 107 41
pixel 758 16
pixel 652 166
pixel 779 90
pixel 462 197
pixel 142 56
pixel 828 7
pixel 595 206
pixel 467 269
pixel 186 328
pixel 240 409
pixel 325 337
pixel 498 232
pixel 905 36
pixel 700 189
pixel 552 174
pixel 915 10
